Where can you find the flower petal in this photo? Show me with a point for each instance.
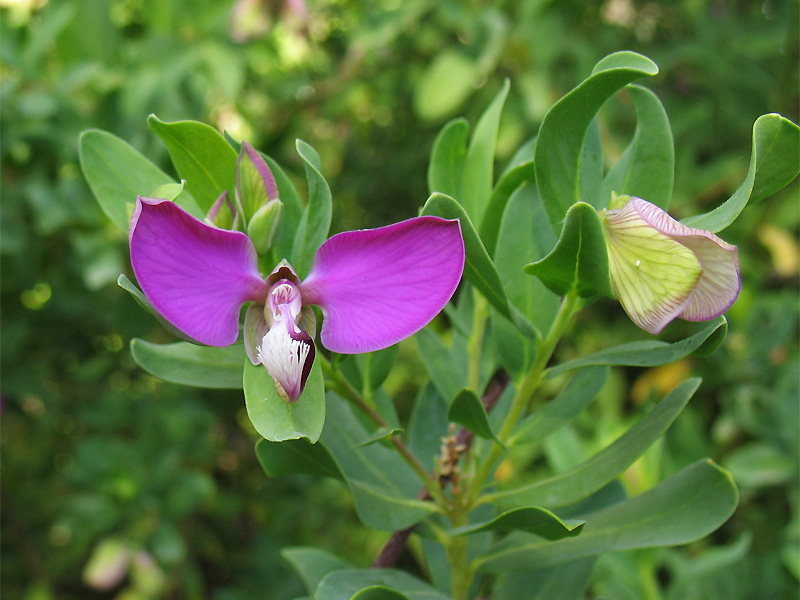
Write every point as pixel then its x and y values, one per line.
pixel 720 283
pixel 288 354
pixel 197 276
pixel 379 286
pixel 652 275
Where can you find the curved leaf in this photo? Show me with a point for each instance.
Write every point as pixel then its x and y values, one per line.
pixel 530 519
pixel 316 219
pixel 478 267
pixel 648 353
pixel 579 261
pixel 447 158
pixel 274 418
pixel 201 156
pixel 647 167
pixel 561 137
pixel 188 364
pixel 467 410
pixel 774 163
pixel 117 173
pixel 292 457
pixel 584 386
pixel 347 583
pixel 570 486
pixel 681 509
pixel 477 177
pixel 313 564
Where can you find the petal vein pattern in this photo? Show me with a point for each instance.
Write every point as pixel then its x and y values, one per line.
pixel 379 286
pixel 196 276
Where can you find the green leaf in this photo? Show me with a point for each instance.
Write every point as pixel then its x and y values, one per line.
pixel 316 219
pixel 292 457
pixel 169 191
pixel 467 410
pixel 187 364
pixel 683 508
pixel 579 261
pixel 525 235
pixel 570 486
pixel 378 592
pixel 447 374
pixel 274 418
pixel 117 173
pixel 375 367
pixel 380 434
pixel 531 519
pixel 648 353
pixel 584 386
pixel 444 84
pixel 478 267
pixel 560 145
pixel 384 487
pixel 347 583
pixel 508 185
pixel 478 174
pixel 646 169
pixel 774 163
pixel 313 564
pixel 201 156
pixel 447 158
pixel 565 581
pixel 591 166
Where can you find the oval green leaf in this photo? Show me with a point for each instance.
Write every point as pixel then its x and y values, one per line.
pixel 187 364
pixel 276 419
pixel 201 156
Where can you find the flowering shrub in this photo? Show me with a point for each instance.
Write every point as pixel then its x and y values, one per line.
pixel 553 234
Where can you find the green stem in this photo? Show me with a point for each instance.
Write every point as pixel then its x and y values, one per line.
pixel 342 387
pixel 525 390
pixel 457 549
pixel 476 339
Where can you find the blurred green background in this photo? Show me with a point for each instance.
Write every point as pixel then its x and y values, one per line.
pixel 116 485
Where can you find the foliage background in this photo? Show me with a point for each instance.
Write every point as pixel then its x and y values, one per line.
pixel 93 449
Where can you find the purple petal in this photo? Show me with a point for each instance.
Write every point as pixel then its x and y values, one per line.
pixel 720 283
pixel 197 276
pixel 379 286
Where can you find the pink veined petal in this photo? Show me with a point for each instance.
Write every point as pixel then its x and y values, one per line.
pixel 197 276
pixel 379 286
pixel 720 283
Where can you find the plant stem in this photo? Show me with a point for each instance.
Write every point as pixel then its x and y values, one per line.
pixel 349 393
pixel 476 339
pixel 457 556
pixel 525 391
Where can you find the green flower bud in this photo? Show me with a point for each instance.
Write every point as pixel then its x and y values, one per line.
pixel 264 225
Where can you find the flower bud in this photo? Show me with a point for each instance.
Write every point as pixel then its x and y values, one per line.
pixel 661 269
pixel 223 213
pixel 255 185
pixel 264 225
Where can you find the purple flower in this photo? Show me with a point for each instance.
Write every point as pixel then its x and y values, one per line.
pixel 375 286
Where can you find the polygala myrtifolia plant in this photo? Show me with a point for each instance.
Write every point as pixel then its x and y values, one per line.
pixel 552 234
